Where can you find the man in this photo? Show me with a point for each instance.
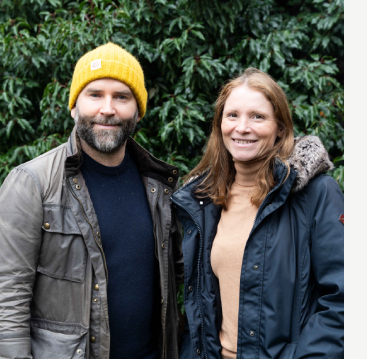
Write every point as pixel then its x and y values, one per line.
pixel 90 254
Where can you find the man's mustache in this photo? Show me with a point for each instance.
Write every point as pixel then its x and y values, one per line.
pixel 110 121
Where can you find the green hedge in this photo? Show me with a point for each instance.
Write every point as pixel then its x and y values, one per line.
pixel 188 49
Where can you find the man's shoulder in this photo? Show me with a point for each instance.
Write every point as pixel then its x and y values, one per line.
pixel 45 160
pixel 46 168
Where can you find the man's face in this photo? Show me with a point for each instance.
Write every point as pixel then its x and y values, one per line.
pixel 105 114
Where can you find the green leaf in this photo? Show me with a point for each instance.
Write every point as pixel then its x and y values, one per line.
pixel 198 34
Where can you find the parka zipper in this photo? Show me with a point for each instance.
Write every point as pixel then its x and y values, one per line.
pixel 94 235
pixel 258 211
pixel 198 277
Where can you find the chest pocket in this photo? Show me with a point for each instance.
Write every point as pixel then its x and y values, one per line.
pixel 63 253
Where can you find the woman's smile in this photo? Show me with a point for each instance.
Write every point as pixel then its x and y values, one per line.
pixel 244 143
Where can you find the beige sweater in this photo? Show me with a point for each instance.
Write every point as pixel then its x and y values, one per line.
pixel 234 228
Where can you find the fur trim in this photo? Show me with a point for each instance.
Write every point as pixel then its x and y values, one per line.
pixel 309 158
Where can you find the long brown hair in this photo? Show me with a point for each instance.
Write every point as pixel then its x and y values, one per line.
pixel 217 160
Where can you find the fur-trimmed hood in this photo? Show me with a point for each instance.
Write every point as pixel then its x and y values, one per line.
pixel 309 158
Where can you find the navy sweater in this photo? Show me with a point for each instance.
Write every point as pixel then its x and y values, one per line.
pixel 126 227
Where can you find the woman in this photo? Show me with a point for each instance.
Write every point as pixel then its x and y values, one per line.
pixel 263 245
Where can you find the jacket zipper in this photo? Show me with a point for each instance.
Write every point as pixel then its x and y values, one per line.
pixel 154 225
pixel 94 235
pixel 156 255
pixel 198 277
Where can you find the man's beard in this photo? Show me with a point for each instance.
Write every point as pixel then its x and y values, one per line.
pixel 106 141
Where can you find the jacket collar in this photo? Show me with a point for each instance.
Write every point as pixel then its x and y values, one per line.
pixel 74 155
pixel 148 165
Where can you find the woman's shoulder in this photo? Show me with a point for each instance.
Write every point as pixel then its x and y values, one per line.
pixel 325 186
pixel 322 185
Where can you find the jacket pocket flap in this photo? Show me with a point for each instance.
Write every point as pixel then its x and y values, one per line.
pixel 59 219
pixel 57 340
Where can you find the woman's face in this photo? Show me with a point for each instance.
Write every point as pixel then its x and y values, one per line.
pixel 248 123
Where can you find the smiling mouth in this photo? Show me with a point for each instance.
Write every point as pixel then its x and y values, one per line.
pixel 244 142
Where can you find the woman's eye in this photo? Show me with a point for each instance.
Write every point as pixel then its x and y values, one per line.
pixel 231 115
pixel 259 117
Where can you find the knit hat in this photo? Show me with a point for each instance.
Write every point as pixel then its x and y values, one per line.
pixel 109 61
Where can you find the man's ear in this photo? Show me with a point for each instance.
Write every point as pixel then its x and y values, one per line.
pixel 73 112
pixel 138 119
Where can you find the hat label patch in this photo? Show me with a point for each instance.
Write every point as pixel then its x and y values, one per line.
pixel 96 64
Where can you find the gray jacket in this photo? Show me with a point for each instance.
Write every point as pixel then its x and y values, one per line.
pixel 53 273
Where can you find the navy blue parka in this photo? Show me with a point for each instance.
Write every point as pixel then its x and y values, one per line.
pixel 292 283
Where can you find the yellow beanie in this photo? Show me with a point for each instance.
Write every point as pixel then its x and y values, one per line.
pixel 109 61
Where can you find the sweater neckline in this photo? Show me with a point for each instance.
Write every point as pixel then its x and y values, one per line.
pixel 91 164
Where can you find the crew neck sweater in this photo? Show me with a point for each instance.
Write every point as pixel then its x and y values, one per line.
pixel 227 252
pixel 119 200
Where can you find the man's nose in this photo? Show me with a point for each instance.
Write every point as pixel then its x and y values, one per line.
pixel 107 108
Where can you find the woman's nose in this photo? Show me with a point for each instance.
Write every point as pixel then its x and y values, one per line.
pixel 244 126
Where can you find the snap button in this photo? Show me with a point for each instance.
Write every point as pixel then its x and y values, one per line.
pixel 191 289
pixel 189 231
pixel 166 191
pixel 161 300
pixel 252 333
pixel 93 339
pixel 198 351
pixel 98 234
pixel 79 351
pixel 256 267
pixel 174 172
pixel 78 187
pixel 95 300
pixel 163 246
pixel 201 202
pixel 47 225
pixel 170 179
pixel 75 180
pixel 153 190
pixel 96 287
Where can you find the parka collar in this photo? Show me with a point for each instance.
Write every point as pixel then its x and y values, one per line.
pixel 147 164
pixel 194 203
pixel 309 158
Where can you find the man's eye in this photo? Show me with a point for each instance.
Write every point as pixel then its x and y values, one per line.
pixel 121 97
pixel 95 95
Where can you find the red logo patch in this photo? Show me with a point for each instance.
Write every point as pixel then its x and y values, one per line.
pixel 341 218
